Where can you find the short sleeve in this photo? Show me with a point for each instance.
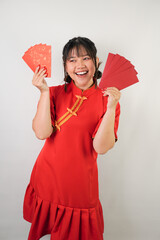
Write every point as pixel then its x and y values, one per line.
pixel 115 124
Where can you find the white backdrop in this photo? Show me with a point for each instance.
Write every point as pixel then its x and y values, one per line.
pixel 129 174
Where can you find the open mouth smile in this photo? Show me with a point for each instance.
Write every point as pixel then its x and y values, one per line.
pixel 81 73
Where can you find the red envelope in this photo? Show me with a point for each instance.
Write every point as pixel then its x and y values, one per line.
pixel 118 72
pixel 39 54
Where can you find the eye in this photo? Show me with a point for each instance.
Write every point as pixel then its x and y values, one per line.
pixel 72 60
pixel 86 58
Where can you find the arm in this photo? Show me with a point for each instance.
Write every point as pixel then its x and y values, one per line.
pixel 105 137
pixel 41 123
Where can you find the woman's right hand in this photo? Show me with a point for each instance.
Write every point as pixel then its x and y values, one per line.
pixel 39 81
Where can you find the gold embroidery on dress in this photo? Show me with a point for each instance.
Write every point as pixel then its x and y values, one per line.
pixel 70 112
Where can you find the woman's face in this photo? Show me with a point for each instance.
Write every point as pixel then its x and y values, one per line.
pixel 81 69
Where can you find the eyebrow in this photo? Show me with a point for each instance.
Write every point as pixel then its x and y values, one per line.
pixel 80 56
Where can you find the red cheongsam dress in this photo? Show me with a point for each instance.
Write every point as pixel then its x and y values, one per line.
pixel 62 197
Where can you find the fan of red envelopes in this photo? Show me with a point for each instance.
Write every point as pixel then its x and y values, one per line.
pixel 39 54
pixel 118 72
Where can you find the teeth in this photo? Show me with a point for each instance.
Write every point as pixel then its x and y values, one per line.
pixel 81 73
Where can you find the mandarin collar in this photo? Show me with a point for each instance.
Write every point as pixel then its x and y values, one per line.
pixel 81 92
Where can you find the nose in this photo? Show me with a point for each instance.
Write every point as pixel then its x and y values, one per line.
pixel 80 63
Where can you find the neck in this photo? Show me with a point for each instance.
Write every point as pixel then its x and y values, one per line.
pixel 83 89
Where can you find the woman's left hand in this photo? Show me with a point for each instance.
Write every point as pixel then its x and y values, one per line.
pixel 113 96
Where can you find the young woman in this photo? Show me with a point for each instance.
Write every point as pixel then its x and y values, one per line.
pixel 78 121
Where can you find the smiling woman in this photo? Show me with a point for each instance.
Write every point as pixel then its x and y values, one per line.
pixel 81 68
pixel 78 122
pixel 80 62
pixel 77 61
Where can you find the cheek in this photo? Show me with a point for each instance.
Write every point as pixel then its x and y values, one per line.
pixel 92 68
pixel 69 68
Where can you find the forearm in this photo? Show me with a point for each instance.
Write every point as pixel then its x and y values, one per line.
pixel 42 124
pixel 105 137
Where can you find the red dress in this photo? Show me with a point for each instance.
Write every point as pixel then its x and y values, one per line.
pixel 62 197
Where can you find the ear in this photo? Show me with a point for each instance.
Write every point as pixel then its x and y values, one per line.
pixel 97 60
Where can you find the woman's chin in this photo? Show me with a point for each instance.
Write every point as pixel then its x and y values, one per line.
pixel 83 82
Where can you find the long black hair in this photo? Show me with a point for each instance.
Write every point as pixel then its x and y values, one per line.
pixel 89 46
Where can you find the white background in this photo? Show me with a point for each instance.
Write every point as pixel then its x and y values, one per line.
pixel 129 174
